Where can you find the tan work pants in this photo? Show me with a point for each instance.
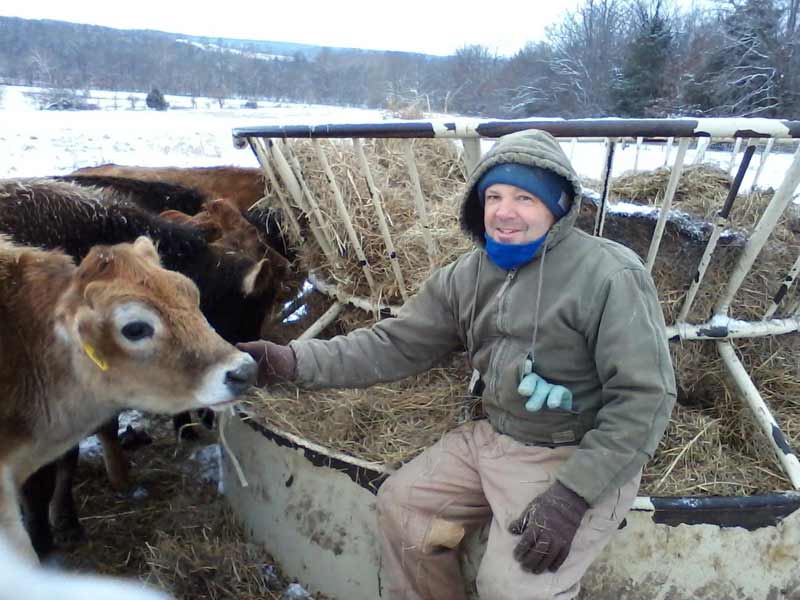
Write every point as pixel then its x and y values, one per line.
pixel 471 475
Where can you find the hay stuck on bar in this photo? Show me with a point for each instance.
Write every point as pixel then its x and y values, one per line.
pixel 712 445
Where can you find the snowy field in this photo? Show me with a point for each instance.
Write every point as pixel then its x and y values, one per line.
pixel 197 133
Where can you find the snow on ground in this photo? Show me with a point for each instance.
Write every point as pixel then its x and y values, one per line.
pixel 196 132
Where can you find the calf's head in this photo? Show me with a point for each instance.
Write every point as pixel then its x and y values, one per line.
pixel 137 334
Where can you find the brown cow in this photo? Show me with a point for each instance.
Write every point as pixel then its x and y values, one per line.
pixel 243 186
pixel 75 342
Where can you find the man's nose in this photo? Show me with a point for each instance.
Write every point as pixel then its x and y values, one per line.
pixel 505 208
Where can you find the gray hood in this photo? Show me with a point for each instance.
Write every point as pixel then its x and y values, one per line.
pixel 531 147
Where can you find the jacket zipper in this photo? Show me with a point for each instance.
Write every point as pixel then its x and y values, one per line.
pixel 493 365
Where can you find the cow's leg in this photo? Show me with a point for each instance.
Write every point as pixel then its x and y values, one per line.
pixel 11 518
pixel 116 462
pixel 65 515
pixel 37 492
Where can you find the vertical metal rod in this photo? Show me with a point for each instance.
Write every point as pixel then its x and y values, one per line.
pixel 780 200
pixel 260 149
pixel 719 224
pixel 382 224
pixel 734 153
pixel 313 206
pixel 762 162
pixel 344 215
pixel 787 282
pixel 666 204
pixel 296 191
pixel 702 145
pixel 639 141
pixel 668 150
pixel 573 145
pixel 419 200
pixel 328 317
pixel 763 416
pixel 472 153
pixel 608 164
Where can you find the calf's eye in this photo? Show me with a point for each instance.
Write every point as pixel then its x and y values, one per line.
pixel 137 330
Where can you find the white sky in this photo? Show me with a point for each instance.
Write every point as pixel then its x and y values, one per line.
pixel 429 26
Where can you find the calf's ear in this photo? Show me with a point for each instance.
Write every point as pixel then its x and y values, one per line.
pixel 143 246
pixel 258 278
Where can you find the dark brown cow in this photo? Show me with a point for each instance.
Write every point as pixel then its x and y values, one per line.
pixel 80 343
pixel 241 185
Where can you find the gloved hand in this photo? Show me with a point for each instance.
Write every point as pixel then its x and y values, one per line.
pixel 538 390
pixel 547 526
pixel 276 363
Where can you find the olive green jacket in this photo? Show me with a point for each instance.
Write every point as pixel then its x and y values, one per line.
pixel 600 333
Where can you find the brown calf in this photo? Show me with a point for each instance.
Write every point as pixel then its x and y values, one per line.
pixel 241 185
pixel 78 344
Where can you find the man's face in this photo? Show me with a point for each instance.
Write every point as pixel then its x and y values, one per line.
pixel 512 215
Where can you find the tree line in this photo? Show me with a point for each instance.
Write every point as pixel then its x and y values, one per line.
pixel 629 58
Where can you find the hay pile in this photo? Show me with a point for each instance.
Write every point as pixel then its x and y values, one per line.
pixel 387 423
pixel 712 445
pixel 442 177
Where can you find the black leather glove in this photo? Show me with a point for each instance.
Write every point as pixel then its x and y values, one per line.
pixel 547 527
pixel 276 363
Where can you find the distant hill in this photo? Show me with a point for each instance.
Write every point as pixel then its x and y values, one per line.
pixel 71 56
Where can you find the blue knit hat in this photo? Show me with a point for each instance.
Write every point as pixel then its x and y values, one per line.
pixel 551 188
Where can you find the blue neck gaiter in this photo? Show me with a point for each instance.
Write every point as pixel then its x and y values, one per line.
pixel 511 256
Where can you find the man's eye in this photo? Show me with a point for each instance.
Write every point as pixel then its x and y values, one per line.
pixel 525 199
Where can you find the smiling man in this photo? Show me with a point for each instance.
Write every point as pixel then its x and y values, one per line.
pixel 569 353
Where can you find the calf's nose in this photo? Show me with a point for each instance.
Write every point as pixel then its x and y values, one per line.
pixel 242 377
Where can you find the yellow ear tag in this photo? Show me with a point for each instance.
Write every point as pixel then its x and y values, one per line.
pixel 92 353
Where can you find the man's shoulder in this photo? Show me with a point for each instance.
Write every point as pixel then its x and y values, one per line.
pixel 608 255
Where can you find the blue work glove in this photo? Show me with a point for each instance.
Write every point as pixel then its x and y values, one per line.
pixel 538 391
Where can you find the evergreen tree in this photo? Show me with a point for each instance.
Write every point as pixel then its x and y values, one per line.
pixel 155 100
pixel 639 88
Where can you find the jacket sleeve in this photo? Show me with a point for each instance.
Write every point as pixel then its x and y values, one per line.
pixel 424 331
pixel 628 338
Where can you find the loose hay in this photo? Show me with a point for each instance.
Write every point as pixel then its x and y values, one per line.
pixel 442 177
pixel 712 445
pixel 179 535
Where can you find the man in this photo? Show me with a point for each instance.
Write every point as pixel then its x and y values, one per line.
pixel 568 345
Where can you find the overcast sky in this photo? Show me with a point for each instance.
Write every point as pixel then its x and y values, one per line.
pixel 429 26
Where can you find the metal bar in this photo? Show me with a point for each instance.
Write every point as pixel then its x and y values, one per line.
pixel 700 153
pixel 365 304
pixel 762 162
pixel 763 416
pixel 569 128
pixel 314 209
pixel 636 157
pixel 734 154
pixel 719 224
pixel 296 192
pixel 419 200
pixel 600 218
pixel 723 328
pixel 780 200
pixel 668 150
pixel 382 224
pixel 344 215
pixel 787 282
pixel 572 146
pixel 472 153
pixel 328 317
pixel 672 186
pixel 261 152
